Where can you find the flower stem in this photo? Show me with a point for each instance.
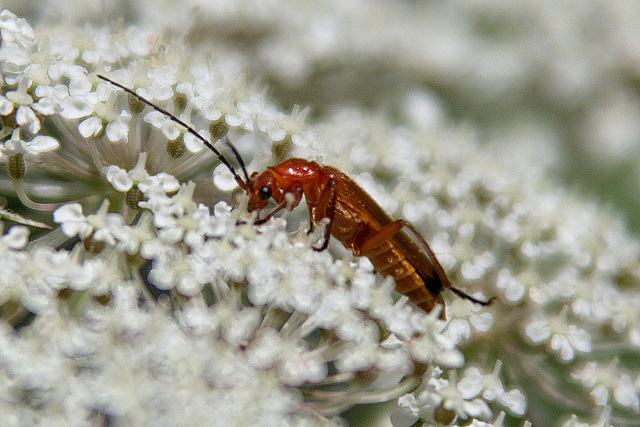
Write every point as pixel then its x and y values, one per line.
pixel 19 188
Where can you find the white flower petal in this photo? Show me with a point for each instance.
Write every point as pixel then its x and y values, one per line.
pixel 75 108
pixel 118 178
pixel 26 117
pixel 17 237
pixel 223 178
pixel 42 144
pixel 91 126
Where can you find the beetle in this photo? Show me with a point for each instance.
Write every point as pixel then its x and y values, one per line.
pixel 350 215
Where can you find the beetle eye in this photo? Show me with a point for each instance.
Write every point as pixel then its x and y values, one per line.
pixel 265 193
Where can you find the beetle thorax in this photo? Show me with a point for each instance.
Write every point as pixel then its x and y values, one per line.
pixel 295 176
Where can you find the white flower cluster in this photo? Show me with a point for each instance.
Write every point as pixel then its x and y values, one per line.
pixel 157 311
pixel 136 364
pixel 164 310
pixel 17 105
pixel 565 270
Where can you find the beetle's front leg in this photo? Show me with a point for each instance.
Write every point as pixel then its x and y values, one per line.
pixel 260 221
pixel 287 202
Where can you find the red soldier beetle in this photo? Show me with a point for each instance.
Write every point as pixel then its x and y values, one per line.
pixel 351 215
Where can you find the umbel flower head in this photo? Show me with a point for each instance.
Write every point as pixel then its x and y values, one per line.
pixel 152 301
pixel 144 306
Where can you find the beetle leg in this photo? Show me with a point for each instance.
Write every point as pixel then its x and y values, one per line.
pixel 325 208
pixel 297 195
pixel 386 232
pixel 293 199
pixel 275 210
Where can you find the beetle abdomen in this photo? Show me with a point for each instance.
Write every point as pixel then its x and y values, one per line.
pixel 390 261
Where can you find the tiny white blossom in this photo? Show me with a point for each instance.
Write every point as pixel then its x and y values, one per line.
pixel 514 289
pixel 13 27
pixel 298 365
pixel 39 144
pixel 564 338
pixel 123 181
pixel 433 346
pixel 24 106
pixel 169 128
pixel 439 393
pixel 74 223
pixel 16 238
pixel 602 379
pixel 473 383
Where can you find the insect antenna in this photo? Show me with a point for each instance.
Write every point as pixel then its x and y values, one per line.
pixel 191 130
pixel 464 295
pixel 238 157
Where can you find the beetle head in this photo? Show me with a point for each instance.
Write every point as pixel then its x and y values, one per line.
pixel 262 187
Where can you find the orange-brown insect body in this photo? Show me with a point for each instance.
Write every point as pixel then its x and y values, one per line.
pixel 353 217
pixel 357 221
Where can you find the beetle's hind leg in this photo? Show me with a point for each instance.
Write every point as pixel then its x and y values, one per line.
pixel 325 208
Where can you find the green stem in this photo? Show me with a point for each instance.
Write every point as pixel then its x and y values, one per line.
pixel 18 186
